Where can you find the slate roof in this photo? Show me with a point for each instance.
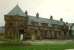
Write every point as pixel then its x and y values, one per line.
pixel 72 26
pixel 16 11
pixel 44 20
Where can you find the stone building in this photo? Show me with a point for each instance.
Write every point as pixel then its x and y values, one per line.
pixel 2 29
pixel 71 30
pixel 19 23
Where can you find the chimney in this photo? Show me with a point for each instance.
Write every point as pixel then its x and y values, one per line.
pixel 61 19
pixel 26 13
pixel 37 15
pixel 51 17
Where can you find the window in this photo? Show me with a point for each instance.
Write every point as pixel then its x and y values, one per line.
pixel 35 23
pixel 10 24
pixel 44 24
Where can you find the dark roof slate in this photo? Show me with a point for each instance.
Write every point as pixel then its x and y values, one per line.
pixel 16 11
pixel 44 20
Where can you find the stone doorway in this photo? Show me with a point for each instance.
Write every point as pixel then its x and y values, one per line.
pixel 21 34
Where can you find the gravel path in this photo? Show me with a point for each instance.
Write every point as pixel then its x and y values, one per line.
pixel 49 41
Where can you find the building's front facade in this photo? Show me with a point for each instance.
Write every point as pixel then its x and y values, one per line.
pixel 2 31
pixel 71 30
pixel 18 23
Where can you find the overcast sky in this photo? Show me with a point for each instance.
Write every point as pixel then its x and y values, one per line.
pixel 57 8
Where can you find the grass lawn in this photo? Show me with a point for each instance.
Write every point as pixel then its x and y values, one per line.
pixel 40 47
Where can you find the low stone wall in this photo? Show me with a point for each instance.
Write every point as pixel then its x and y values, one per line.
pixel 49 42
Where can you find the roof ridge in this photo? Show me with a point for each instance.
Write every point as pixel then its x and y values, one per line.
pixel 16 11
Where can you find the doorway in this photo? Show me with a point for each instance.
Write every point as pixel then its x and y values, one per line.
pixel 21 34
